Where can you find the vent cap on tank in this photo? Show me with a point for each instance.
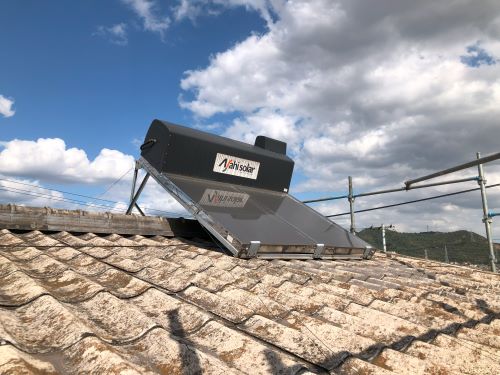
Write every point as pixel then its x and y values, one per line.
pixel 270 144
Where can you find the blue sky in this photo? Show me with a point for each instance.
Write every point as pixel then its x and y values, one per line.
pixel 70 83
pixel 373 93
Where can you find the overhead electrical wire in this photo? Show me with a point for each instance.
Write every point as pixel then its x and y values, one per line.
pixel 115 182
pixel 413 201
pixel 70 200
pixel 59 191
pixel 50 197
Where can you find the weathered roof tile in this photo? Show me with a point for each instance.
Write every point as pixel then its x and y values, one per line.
pixel 216 304
pixel 114 304
pixel 14 361
pixel 121 284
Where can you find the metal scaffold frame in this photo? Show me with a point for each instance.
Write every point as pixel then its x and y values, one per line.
pixel 410 185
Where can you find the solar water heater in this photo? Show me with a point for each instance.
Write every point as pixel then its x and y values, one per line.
pixel 239 193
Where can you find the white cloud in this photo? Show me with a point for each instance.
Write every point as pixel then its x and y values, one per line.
pixel 192 9
pixel 148 12
pixel 381 93
pixel 264 122
pixel 16 191
pixel 116 34
pixel 49 160
pixel 30 164
pixel 6 104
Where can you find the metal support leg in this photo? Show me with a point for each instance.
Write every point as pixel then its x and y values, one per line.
pixel 136 196
pixel 351 207
pixel 134 181
pixel 139 209
pixel 486 218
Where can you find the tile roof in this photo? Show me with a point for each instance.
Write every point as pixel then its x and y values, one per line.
pixel 131 304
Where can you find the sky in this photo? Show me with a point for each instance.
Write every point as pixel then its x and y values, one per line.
pixel 384 92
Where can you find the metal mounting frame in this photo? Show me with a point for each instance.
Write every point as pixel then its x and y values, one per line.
pixel 192 207
pixel 251 250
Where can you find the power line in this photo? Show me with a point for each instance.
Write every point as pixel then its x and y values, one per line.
pixel 49 197
pixel 396 190
pixel 59 191
pixel 70 200
pixel 413 201
pixel 115 182
pixel 75 201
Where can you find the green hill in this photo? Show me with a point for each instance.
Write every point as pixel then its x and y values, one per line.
pixel 462 246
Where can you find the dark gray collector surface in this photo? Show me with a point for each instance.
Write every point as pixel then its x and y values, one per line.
pixel 272 218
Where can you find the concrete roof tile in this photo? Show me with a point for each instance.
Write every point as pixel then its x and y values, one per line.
pixel 244 353
pixel 14 361
pixel 259 304
pixel 216 304
pixel 86 265
pixel 41 266
pixel 134 304
pixel 91 355
pixel 458 358
pixel 96 251
pixel 62 253
pixel 169 354
pixel 172 280
pixel 291 339
pixel 112 319
pixel 9 239
pixel 160 306
pixel 17 288
pixel 120 284
pixel 125 264
pixel 6 266
pixel 41 326
pixel 22 253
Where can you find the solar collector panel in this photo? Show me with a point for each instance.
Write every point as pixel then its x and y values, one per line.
pixel 239 193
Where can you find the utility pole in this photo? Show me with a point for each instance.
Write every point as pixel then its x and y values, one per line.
pixel 351 206
pixel 446 259
pixel 486 217
pixel 383 239
pixel 425 254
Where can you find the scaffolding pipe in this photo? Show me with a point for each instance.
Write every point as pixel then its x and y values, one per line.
pixel 486 218
pixel 351 206
pixel 325 199
pixel 473 163
pixel 404 188
pixel 413 201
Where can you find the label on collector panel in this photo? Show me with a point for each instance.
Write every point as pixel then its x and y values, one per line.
pixel 221 198
pixel 236 166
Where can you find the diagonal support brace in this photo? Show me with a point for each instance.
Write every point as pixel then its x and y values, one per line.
pixel 133 202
